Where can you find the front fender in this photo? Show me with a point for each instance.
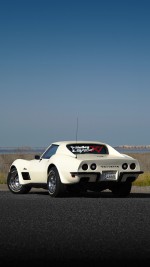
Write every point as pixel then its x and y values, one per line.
pixel 21 165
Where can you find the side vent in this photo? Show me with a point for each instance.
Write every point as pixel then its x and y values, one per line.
pixel 26 176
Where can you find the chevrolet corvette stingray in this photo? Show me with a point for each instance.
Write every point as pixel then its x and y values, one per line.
pixel 75 166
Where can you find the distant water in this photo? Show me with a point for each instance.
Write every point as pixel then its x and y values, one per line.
pixel 41 150
pixel 21 151
pixel 132 151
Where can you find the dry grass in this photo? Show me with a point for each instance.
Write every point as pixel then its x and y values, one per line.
pixel 3 178
pixel 143 158
pixel 143 179
pixel 5 162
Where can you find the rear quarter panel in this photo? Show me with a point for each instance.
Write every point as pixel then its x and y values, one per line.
pixel 66 164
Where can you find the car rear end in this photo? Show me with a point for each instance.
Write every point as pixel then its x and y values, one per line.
pixel 108 168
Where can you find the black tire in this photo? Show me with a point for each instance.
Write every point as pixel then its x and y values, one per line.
pixel 54 184
pixel 14 184
pixel 122 189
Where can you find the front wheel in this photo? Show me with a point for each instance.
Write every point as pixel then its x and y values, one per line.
pixel 122 189
pixel 14 184
pixel 54 185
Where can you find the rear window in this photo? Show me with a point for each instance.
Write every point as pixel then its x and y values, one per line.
pixel 88 149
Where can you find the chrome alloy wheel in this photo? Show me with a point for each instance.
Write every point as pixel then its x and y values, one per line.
pixel 52 182
pixel 14 182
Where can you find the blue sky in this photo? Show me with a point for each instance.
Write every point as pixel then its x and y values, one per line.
pixel 63 60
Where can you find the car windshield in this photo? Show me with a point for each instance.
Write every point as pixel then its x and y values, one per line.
pixel 88 148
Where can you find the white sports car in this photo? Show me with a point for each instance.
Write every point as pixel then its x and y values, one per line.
pixel 75 166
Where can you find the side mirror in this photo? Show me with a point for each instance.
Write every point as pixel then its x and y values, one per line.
pixel 37 157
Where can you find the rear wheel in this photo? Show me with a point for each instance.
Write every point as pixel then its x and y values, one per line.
pixel 14 184
pixel 54 185
pixel 122 189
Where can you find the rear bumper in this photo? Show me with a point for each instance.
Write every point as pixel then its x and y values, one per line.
pixel 96 176
pixel 129 176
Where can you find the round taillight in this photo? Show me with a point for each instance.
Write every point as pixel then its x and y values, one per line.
pixel 124 166
pixel 93 166
pixel 84 167
pixel 132 166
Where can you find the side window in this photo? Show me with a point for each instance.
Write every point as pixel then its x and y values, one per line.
pixel 50 152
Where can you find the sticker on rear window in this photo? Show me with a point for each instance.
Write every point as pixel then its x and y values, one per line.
pixel 88 149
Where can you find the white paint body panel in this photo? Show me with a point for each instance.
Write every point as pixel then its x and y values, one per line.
pixel 66 162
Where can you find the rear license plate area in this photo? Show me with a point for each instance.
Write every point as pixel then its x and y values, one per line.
pixel 109 176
